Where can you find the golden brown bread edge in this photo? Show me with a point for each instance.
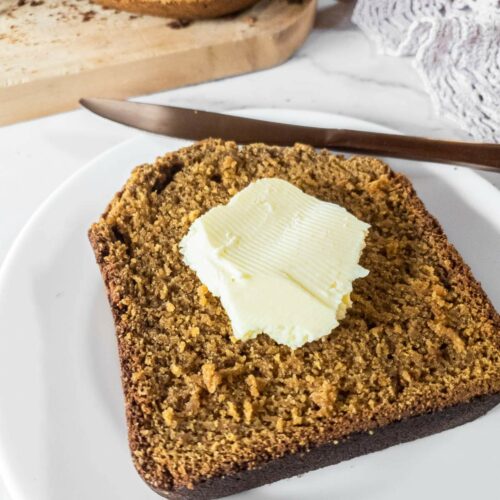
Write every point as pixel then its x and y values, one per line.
pixel 180 9
pixel 322 455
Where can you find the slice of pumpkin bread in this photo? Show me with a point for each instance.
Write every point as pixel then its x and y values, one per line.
pixel 417 353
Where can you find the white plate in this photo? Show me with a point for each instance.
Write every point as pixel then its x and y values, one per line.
pixel 62 427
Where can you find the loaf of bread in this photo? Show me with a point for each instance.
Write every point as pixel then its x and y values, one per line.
pixel 181 9
pixel 417 353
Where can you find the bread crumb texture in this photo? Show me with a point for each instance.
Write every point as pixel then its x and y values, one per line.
pixel 420 335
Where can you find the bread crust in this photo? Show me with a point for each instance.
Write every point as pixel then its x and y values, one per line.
pixel 355 445
pixel 180 9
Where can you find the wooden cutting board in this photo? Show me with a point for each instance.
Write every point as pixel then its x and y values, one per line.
pixel 52 52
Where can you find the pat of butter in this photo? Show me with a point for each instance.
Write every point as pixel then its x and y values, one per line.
pixel 281 261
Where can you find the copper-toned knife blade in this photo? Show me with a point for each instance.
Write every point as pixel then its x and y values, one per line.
pixel 197 125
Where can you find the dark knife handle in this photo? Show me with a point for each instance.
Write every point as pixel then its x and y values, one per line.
pixel 477 155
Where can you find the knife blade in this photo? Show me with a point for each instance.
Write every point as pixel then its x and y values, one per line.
pixel 195 124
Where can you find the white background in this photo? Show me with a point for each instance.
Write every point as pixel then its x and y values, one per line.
pixel 337 70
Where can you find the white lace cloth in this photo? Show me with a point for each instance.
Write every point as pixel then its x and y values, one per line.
pixel 456 44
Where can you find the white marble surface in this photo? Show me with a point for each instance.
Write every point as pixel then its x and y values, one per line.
pixel 337 70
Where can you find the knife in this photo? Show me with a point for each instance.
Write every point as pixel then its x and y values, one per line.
pixel 196 125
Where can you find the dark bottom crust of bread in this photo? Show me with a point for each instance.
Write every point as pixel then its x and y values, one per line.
pixel 329 454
